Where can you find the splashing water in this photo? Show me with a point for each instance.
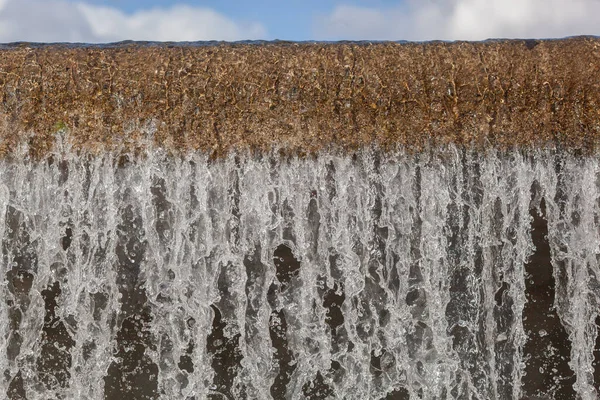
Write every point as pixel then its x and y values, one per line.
pixel 447 274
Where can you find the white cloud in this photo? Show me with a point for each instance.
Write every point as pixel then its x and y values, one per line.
pixel 463 20
pixel 179 23
pixel 65 21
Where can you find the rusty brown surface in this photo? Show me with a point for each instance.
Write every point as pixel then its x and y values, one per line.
pixel 301 96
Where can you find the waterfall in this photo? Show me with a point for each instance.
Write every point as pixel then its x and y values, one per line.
pixel 442 274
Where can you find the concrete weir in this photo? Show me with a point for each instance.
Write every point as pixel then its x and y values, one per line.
pixel 274 220
pixel 216 97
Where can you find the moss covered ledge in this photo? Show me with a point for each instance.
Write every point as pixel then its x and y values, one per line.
pixel 301 96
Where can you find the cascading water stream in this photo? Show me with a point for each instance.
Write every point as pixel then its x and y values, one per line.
pixel 444 274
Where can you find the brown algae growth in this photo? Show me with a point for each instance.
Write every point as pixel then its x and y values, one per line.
pixel 300 96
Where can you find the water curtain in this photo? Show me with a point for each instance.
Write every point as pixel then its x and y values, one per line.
pixel 300 220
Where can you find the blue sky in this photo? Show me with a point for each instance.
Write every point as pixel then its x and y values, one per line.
pixel 284 19
pixel 99 21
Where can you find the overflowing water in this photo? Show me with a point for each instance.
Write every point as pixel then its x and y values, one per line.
pixel 446 274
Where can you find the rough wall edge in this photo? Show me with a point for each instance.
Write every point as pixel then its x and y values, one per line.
pixel 300 96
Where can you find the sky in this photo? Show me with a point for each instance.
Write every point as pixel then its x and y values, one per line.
pixel 104 21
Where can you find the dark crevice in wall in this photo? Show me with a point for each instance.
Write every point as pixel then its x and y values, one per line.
pixel 596 362
pixel 226 357
pixel 283 357
pixel 397 394
pixel 132 374
pixel 286 266
pixel 16 391
pixel 548 348
pixel 287 269
pixel 54 361
pixel 18 250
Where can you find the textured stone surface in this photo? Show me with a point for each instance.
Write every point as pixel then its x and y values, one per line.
pixel 301 96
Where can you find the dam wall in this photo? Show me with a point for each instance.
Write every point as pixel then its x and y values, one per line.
pixel 273 220
pixel 301 97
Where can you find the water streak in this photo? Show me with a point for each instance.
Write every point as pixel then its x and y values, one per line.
pixel 447 274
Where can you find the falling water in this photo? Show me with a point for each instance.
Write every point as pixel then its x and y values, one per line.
pixel 444 274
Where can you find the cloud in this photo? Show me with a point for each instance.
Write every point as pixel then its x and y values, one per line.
pixel 462 20
pixel 178 23
pixel 65 21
